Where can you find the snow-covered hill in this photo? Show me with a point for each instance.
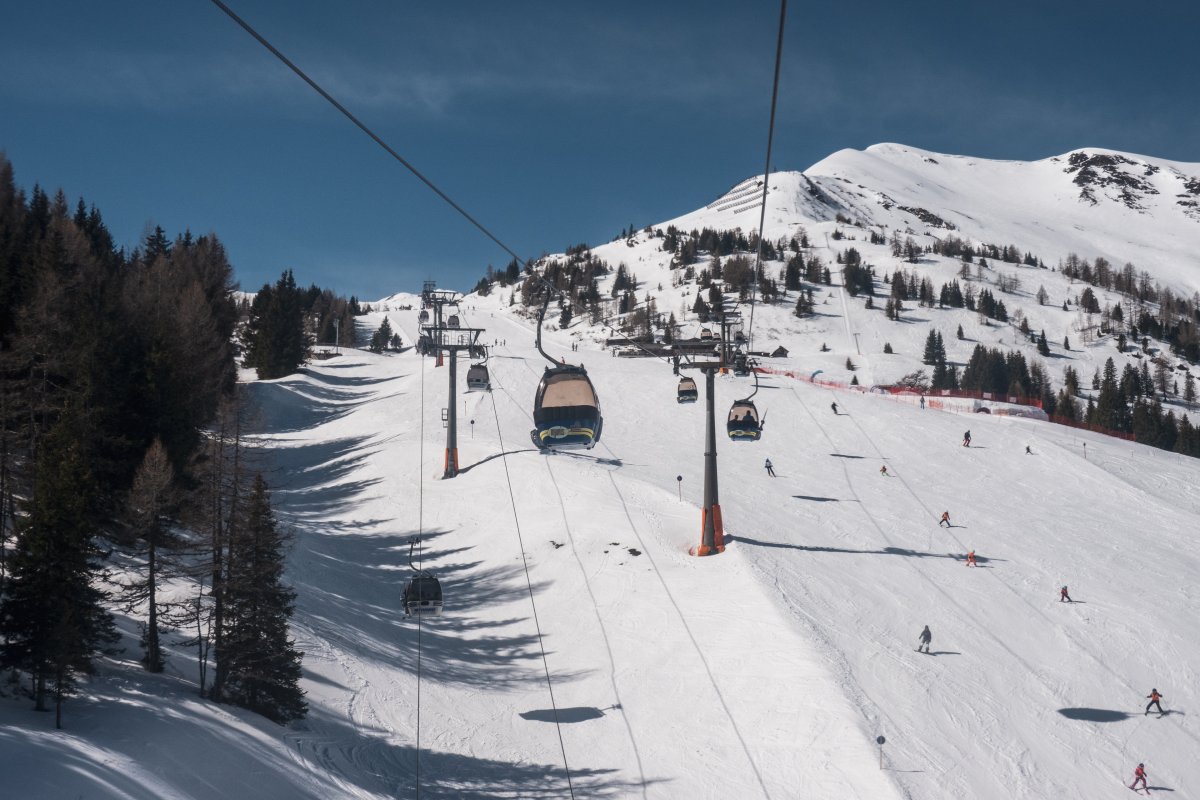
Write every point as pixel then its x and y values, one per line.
pixel 767 671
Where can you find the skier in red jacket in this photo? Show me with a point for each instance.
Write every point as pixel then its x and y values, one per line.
pixel 971 559
pixel 1139 774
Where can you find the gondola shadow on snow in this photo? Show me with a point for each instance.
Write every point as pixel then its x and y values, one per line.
pixel 845 455
pixel 1094 714
pixel 350 592
pixel 564 715
pixel 815 499
pixel 371 760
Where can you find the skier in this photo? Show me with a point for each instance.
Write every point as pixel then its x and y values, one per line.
pixel 1154 697
pixel 967 439
pixel 926 638
pixel 834 407
pixel 1063 597
pixel 945 520
pixel 971 559
pixel 883 471
pixel 770 468
pixel 1028 452
pixel 1139 774
pixel 922 401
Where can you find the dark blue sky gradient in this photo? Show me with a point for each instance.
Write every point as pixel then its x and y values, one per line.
pixel 554 123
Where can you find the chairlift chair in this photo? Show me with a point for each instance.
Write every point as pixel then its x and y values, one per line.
pixel 744 424
pixel 422 595
pixel 687 393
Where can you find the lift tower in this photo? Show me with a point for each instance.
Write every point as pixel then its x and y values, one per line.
pixel 444 333
pixel 712 530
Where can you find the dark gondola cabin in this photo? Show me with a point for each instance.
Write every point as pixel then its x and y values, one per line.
pixel 687 392
pixel 423 316
pixel 422 595
pixel 566 412
pixel 706 335
pixel 452 321
pixel 741 365
pixel 478 378
pixel 744 424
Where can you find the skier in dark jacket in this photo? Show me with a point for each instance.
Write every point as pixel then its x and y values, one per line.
pixel 770 468
pixel 834 407
pixel 926 638
pixel 967 439
pixel 1153 697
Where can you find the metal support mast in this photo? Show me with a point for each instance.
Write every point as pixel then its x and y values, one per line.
pixel 712 532
pixel 448 339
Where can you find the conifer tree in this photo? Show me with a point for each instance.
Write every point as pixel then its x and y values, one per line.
pixel 52 617
pixel 262 665
pixel 149 502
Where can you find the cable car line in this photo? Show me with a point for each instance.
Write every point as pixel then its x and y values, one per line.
pixel 766 174
pixel 362 126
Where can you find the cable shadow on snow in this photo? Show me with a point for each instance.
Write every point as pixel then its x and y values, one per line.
pixel 494 456
pixel 886 551
pixel 349 588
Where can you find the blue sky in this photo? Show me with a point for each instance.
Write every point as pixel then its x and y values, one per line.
pixel 553 123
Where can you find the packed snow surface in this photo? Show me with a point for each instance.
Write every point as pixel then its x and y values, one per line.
pixel 765 671
pixel 578 633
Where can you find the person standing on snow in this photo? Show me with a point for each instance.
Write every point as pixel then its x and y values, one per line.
pixel 967 439
pixel 971 559
pixel 1139 774
pixel 1028 452
pixel 1063 597
pixel 945 520
pixel 883 471
pixel 1153 697
pixel 926 638
pixel 770 468
pixel 834 407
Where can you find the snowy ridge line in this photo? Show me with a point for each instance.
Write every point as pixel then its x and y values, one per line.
pixel 734 199
pixel 736 189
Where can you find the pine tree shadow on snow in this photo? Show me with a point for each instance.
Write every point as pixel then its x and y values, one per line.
pixel 458 647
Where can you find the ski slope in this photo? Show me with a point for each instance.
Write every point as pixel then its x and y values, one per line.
pixel 767 671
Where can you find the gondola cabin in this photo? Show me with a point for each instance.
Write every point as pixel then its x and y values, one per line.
pixel 706 335
pixel 422 595
pixel 478 378
pixel 741 365
pixel 423 316
pixel 687 392
pixel 566 411
pixel 744 424
pixel 452 321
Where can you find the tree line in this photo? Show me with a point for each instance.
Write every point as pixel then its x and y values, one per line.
pixel 121 442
